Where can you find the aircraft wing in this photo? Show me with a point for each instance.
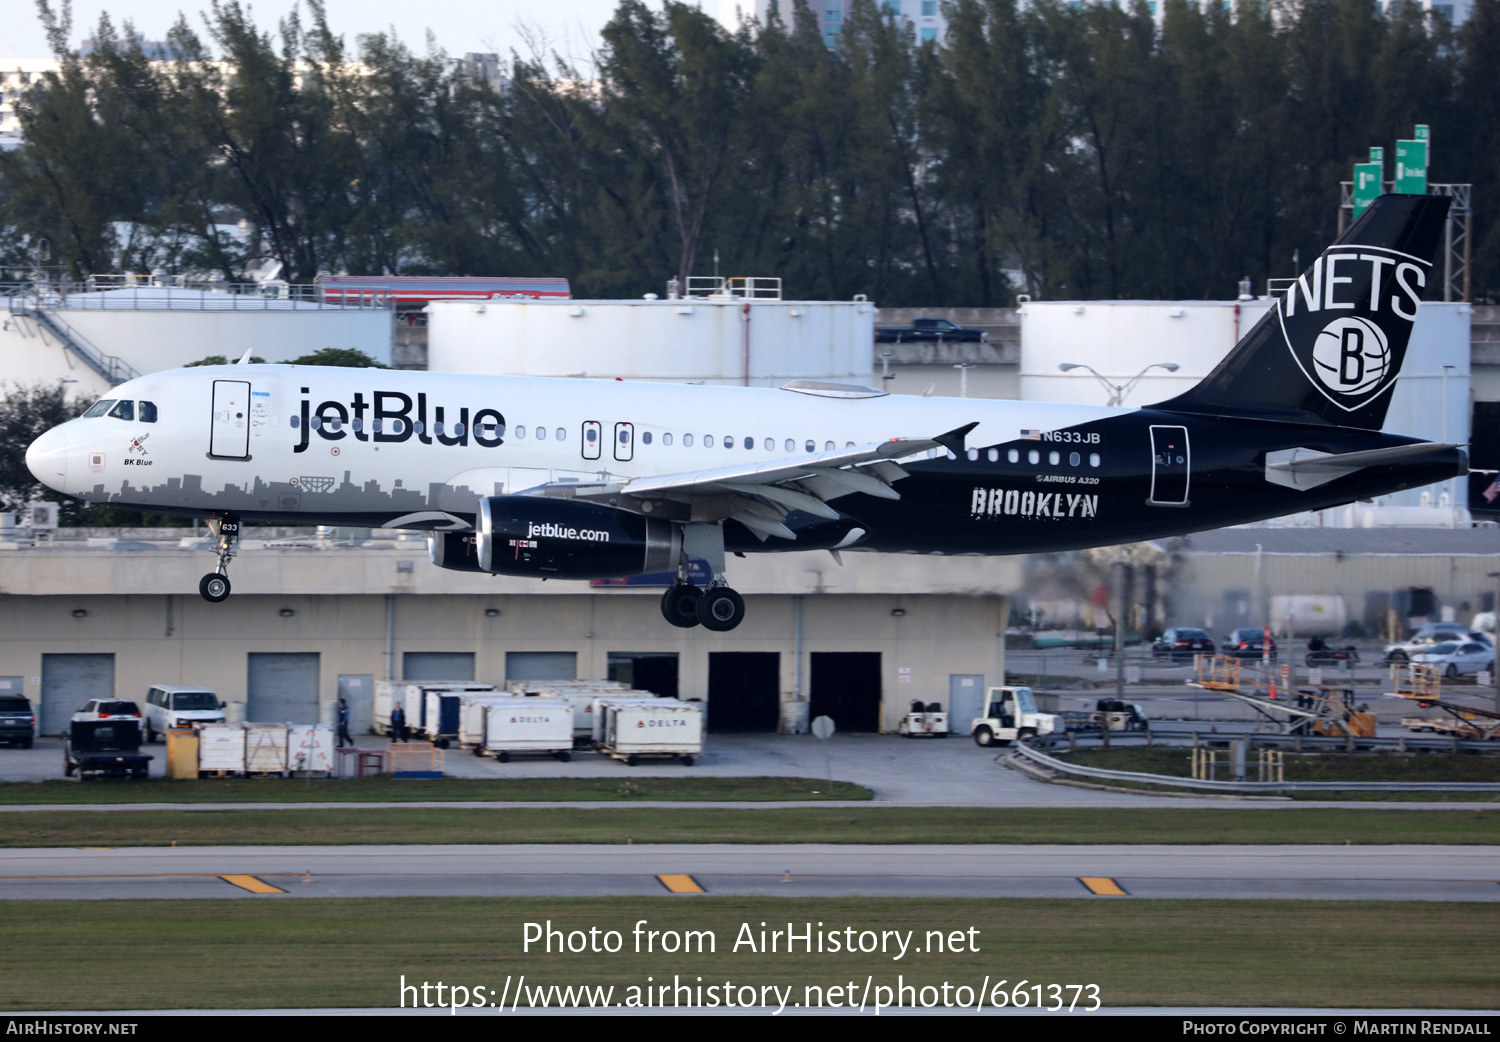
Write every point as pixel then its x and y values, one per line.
pixel 759 495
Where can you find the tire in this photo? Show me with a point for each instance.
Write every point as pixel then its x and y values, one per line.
pixel 721 609
pixel 1398 656
pixel 503 757
pixel 632 760
pixel 478 750
pixel 67 768
pixel 214 587
pixel 687 761
pixel 564 756
pixel 150 735
pixel 441 743
pixel 679 605
pixel 1452 671
pixel 984 738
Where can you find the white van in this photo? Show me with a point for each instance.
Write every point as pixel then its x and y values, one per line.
pixel 170 706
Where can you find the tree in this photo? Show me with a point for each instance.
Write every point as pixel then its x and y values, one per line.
pixel 26 413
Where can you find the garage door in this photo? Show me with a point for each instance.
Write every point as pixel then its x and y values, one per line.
pixel 655 672
pixel 846 686
pixel 744 690
pixel 282 687
pixel 437 665
pixel 541 665
pixel 68 681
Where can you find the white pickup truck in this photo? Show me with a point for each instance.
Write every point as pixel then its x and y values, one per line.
pixel 1011 714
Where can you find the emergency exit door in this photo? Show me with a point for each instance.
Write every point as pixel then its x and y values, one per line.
pixel 1171 467
pixel 229 436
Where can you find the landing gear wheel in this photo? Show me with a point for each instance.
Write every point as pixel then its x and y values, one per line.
pixel 720 609
pixel 214 587
pixel 679 605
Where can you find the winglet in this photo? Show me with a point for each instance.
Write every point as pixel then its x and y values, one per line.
pixel 245 358
pixel 953 441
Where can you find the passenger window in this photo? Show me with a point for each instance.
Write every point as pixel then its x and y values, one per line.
pixel 541 434
pixel 666 439
pixel 749 443
pixel 125 410
pixel 1033 457
pixel 994 455
pixel 811 445
pixel 1073 459
pixel 687 439
pixel 828 446
pixel 148 412
pixel 99 408
pixel 708 441
pixel 645 437
pixel 562 434
pixel 791 446
pixel 1054 458
pixel 848 444
pixel 973 454
pixel 1013 455
pixel 770 444
pixel 520 432
pixel 1093 459
pixel 729 442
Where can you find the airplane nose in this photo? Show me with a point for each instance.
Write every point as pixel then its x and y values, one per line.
pixel 47 458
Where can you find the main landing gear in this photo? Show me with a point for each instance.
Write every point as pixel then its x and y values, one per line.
pixel 215 585
pixel 717 608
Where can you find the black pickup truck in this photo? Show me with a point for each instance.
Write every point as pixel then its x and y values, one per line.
pixel 930 331
pixel 105 748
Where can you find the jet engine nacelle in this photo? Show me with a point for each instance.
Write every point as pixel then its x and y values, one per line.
pixel 527 535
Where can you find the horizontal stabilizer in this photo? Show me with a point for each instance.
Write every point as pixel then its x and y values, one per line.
pixel 1308 468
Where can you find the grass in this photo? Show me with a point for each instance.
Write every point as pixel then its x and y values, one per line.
pixel 385 789
pixel 898 825
pixel 1318 767
pixel 315 952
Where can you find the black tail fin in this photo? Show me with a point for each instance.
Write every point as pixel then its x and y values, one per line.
pixel 1331 348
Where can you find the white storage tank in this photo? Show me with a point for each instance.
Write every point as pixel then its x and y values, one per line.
pixel 631 728
pixel 529 725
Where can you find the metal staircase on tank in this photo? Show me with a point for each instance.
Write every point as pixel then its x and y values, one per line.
pixel 1293 708
pixel 29 303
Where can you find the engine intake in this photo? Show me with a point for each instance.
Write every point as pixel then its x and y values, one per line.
pixel 526 535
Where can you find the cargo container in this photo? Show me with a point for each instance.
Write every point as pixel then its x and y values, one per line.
pixel 265 748
pixel 632 728
pixel 182 754
pixel 310 749
pixel 528 725
pixel 417 703
pixel 471 722
pixel 581 693
pixel 221 749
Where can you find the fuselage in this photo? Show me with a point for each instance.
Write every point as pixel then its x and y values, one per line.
pixel 370 447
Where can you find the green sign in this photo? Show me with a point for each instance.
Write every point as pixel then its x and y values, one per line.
pixel 1411 163
pixel 1377 154
pixel 1367 184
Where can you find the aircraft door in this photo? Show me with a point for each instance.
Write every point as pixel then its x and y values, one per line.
pixel 624 442
pixel 592 439
pixel 1171 467
pixel 229 436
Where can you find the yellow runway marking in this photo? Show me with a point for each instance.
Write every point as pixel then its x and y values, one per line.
pixel 1103 885
pixel 255 886
pixel 681 884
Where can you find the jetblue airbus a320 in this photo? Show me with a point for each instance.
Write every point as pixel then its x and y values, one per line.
pixel 582 479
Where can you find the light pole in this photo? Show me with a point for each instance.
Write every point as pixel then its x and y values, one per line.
pixel 1118 392
pixel 963 378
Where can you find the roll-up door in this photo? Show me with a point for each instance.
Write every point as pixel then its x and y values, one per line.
pixel 437 665
pixel 282 687
pixel 541 665
pixel 68 681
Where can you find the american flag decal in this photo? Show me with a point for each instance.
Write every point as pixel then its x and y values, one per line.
pixel 1028 434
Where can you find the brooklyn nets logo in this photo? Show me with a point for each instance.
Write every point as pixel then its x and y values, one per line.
pixel 1351 356
pixel 1348 318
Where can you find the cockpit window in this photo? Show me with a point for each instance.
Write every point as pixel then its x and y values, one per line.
pixel 125 410
pixel 148 412
pixel 99 408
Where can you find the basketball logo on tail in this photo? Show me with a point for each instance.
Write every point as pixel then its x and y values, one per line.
pixel 1348 318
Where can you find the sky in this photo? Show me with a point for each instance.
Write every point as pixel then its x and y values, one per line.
pixel 569 26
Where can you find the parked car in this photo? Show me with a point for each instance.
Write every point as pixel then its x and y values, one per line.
pixel 1456 657
pixel 108 709
pixel 178 706
pixel 1181 644
pixel 17 721
pixel 105 749
pixel 1432 633
pixel 930 331
pixel 1248 642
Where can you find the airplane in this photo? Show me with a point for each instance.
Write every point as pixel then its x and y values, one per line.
pixel 590 479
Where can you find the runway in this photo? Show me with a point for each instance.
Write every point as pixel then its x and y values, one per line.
pixel 694 872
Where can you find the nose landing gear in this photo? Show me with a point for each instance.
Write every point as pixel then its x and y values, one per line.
pixel 214 586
